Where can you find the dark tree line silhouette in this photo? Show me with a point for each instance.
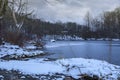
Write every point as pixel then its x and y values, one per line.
pixel 107 25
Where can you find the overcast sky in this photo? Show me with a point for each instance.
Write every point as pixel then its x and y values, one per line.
pixel 70 10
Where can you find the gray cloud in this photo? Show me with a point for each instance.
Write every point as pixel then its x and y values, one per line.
pixel 70 10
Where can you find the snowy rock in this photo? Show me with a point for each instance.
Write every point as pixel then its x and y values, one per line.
pixel 22 77
pixel 1 77
pixel 52 40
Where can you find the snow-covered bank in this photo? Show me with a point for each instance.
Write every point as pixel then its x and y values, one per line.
pixel 74 38
pixel 60 44
pixel 78 43
pixel 15 51
pixel 70 67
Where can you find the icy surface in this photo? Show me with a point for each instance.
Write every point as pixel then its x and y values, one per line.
pixel 57 44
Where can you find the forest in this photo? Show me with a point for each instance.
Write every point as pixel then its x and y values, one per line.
pixel 22 25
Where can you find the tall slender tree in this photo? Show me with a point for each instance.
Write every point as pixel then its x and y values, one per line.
pixel 3 6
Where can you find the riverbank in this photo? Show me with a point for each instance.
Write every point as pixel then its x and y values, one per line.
pixel 10 51
pixel 20 65
pixel 76 68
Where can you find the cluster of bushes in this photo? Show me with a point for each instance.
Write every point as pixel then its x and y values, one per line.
pixel 14 37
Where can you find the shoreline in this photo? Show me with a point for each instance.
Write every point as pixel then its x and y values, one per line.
pixel 74 67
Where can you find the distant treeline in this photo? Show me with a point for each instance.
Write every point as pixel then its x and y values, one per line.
pixel 107 25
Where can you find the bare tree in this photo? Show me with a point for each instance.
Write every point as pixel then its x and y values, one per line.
pixel 19 12
pixel 3 6
pixel 88 18
pixel 19 8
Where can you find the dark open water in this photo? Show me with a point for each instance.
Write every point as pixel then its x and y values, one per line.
pixel 101 50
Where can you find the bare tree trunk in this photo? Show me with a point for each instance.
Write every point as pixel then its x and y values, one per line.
pixel 0 32
pixel 3 6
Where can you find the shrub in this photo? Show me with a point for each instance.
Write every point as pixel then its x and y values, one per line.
pixel 0 40
pixel 14 36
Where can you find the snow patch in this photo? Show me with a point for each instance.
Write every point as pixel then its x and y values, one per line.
pixel 14 50
pixel 71 67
